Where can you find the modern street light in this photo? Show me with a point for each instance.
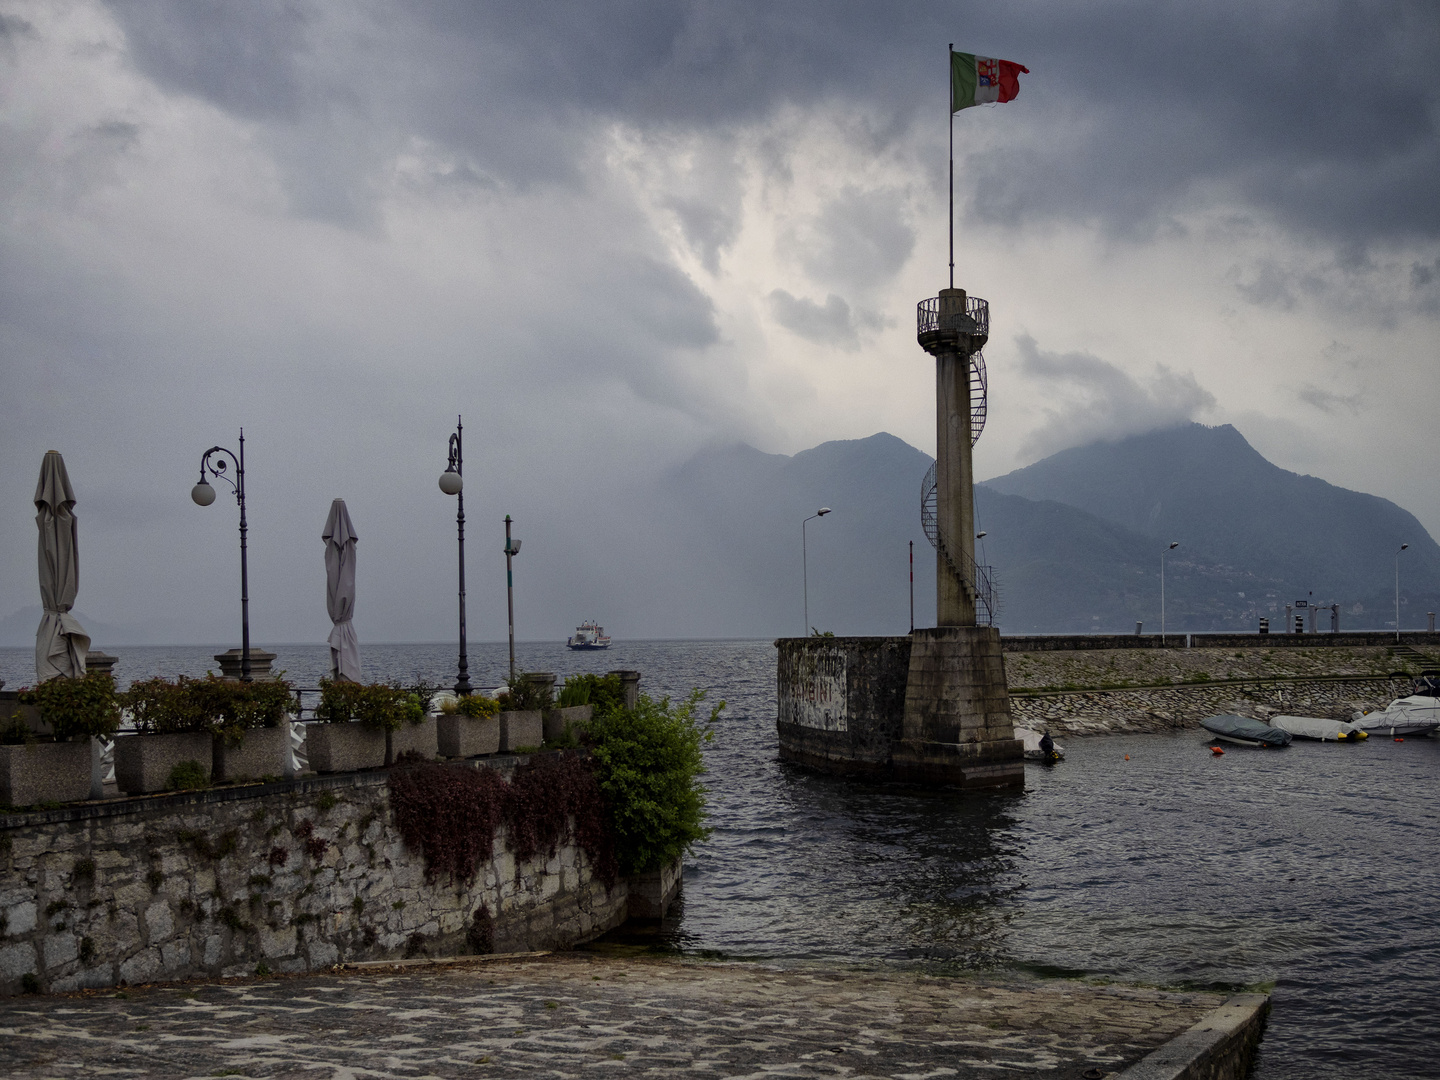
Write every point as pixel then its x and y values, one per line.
pixel 453 483
pixel 805 565
pixel 1397 592
pixel 1174 544
pixel 512 548
pixel 204 495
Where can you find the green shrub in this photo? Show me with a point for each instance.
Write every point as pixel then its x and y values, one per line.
pixel 523 693
pixel 188 776
pixel 161 707
pixel 76 707
pixel 602 692
pixel 225 707
pixel 648 764
pixel 477 706
pixel 424 693
pixel 379 705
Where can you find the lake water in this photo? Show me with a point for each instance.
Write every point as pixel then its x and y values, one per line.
pixel 1315 868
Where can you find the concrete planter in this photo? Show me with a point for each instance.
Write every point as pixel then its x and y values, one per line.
pixel 558 721
pixel 344 747
pixel 421 738
pixel 11 710
pixel 45 772
pixel 519 729
pixel 262 753
pixel 143 762
pixel 467 736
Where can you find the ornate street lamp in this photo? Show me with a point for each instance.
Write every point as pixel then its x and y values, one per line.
pixel 204 495
pixel 512 548
pixel 451 483
pixel 1397 591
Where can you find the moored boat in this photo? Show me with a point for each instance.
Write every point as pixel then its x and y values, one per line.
pixel 1318 727
pixel 1418 714
pixel 1033 749
pixel 1244 731
pixel 588 635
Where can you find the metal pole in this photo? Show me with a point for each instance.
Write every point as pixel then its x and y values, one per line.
pixel 510 595
pixel 912 586
pixel 805 576
pixel 462 684
pixel 1162 598
pixel 244 568
pixel 1397 592
pixel 949 112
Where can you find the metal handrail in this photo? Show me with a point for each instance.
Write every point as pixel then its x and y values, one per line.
pixel 974 320
pixel 977 580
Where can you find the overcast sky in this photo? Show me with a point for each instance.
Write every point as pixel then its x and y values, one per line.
pixel 611 234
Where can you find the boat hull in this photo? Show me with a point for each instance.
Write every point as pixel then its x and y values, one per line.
pixel 1243 731
pixel 587 646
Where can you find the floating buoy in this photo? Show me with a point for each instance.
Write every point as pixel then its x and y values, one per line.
pixel 1216 751
pixel 1398 739
pixel 1127 756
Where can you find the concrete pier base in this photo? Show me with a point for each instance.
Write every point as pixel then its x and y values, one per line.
pixel 956 726
pixel 928 708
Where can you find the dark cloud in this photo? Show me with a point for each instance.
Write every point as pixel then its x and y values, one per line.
pixel 826 324
pixel 1094 399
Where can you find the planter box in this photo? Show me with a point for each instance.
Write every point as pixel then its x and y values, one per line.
pixel 344 747
pixel 421 738
pixel 263 753
pixel 45 772
pixel 467 736
pixel 557 721
pixel 521 729
pixel 143 762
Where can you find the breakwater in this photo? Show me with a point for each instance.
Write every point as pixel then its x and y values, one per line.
pixel 284 877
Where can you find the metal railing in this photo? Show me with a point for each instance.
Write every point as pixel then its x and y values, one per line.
pixel 975 319
pixel 978 581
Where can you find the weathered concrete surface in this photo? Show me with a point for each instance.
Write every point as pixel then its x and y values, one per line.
pixel 841 701
pixel 1220 1046
pixel 584 1014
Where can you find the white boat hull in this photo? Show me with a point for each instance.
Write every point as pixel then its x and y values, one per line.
pixel 1416 715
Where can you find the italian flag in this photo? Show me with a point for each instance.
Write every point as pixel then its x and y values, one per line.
pixel 981 80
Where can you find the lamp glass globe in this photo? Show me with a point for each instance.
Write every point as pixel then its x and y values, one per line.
pixel 203 494
pixel 451 483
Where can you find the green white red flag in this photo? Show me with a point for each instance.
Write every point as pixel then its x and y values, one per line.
pixel 981 80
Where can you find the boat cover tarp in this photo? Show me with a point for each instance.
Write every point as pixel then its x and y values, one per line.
pixel 1418 714
pixel 1242 727
pixel 1315 727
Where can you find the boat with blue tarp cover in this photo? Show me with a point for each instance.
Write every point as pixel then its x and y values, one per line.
pixel 1244 731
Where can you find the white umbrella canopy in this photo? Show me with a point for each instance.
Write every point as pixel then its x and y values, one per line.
pixel 61 642
pixel 340 540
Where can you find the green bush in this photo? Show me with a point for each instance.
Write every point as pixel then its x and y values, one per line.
pixel 378 705
pixel 225 707
pixel 76 707
pixel 648 763
pixel 188 776
pixel 477 706
pixel 523 693
pixel 602 692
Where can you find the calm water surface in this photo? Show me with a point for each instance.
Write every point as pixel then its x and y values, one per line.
pixel 1315 868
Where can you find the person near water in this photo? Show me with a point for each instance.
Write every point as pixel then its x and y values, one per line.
pixel 1047 744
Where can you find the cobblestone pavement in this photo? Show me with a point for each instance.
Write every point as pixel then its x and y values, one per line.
pixel 586 1015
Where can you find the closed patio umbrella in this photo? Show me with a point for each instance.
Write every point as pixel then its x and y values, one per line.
pixel 340 540
pixel 61 642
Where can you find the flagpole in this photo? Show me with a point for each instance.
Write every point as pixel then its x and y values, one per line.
pixel 950 80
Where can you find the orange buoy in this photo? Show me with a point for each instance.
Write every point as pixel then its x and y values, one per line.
pixel 1127 756
pixel 1216 751
pixel 1398 739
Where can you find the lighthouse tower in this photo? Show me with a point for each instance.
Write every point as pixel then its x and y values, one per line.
pixel 957 727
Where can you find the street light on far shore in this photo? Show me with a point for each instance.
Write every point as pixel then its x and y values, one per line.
pixel 804 563
pixel 1173 545
pixel 1397 592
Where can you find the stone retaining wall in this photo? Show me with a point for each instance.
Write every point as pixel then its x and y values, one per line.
pixel 287 877
pixel 1173 708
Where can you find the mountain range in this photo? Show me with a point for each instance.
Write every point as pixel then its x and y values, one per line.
pixel 1076 539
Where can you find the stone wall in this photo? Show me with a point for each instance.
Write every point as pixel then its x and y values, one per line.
pixel 1173 708
pixel 294 876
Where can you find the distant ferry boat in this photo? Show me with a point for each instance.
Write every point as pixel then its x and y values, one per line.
pixel 588 636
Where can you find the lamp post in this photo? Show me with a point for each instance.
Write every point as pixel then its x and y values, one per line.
pixel 1397 592
pixel 1174 544
pixel 204 495
pixel 805 565
pixel 452 483
pixel 512 548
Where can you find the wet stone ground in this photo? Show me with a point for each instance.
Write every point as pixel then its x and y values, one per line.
pixel 587 1014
